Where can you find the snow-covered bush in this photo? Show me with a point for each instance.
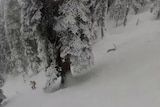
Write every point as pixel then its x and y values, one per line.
pixel 53 79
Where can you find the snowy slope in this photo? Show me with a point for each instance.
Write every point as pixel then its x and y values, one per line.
pixel 127 77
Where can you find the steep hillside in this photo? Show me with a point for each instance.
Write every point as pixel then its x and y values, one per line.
pixel 126 77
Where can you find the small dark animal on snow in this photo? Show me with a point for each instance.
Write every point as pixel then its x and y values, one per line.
pixel 33 85
pixel 112 49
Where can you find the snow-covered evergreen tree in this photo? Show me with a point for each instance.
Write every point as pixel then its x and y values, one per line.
pixel 74 33
pixel 119 11
pixel 72 39
pixel 5 52
pixel 12 20
pixel 30 14
pixel 156 8
pixel 137 4
pixel 51 42
pixel 97 10
pixel 102 10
